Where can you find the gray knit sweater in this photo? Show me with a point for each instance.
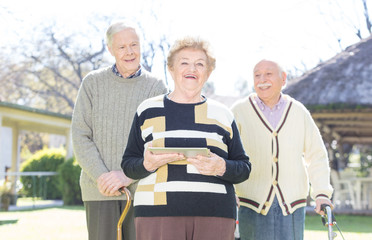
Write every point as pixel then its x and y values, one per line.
pixel 101 121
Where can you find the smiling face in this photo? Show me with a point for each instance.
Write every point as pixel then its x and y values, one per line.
pixel 268 82
pixel 189 71
pixel 125 48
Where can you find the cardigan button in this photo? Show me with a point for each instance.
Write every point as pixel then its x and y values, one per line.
pixel 275 134
pixel 263 211
pixel 275 159
pixel 267 204
pixel 275 183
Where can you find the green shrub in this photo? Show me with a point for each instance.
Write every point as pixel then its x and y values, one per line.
pixel 69 175
pixel 46 160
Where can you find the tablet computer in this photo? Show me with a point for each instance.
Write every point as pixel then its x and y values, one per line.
pixel 188 152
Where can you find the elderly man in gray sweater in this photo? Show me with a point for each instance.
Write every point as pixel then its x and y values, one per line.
pixel 102 118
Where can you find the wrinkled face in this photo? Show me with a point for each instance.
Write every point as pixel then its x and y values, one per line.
pixel 125 48
pixel 268 81
pixel 190 70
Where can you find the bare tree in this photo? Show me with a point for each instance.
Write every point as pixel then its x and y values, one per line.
pixel 153 46
pixel 49 68
pixel 209 88
pixel 352 18
pixel 242 86
pixel 150 50
pixel 52 69
pixel 366 16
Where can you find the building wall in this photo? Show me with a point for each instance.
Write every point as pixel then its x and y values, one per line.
pixel 56 141
pixel 5 148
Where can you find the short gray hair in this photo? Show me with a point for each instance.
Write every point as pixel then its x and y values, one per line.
pixel 118 27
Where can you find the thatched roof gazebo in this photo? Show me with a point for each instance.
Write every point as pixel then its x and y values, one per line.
pixel 338 93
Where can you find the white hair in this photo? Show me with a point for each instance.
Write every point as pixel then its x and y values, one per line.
pixel 118 27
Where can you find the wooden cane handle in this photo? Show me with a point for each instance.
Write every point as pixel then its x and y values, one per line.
pixel 125 212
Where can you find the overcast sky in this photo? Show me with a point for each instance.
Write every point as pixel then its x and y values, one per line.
pixel 297 33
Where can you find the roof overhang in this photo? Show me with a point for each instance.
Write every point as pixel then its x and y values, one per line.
pixel 25 118
pixel 352 126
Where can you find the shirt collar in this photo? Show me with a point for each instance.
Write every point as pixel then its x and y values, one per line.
pixel 277 106
pixel 117 73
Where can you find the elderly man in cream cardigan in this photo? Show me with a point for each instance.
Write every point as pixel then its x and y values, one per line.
pixel 288 155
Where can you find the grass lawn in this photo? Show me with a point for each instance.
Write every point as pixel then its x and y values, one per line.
pixel 68 223
pixel 352 227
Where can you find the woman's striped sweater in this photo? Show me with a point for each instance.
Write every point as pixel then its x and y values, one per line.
pixel 177 189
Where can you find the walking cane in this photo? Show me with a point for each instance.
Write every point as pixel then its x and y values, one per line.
pixel 124 213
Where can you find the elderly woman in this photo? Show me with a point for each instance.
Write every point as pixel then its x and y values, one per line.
pixel 180 196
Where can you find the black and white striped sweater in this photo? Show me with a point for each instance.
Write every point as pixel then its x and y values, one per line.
pixel 177 189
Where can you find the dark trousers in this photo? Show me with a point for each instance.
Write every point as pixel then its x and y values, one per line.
pixel 102 219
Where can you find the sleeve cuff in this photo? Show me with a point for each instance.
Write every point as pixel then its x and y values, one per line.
pixel 321 196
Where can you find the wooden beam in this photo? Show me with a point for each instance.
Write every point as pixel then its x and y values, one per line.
pixel 328 130
pixel 353 129
pixel 343 115
pixel 359 140
pixel 343 122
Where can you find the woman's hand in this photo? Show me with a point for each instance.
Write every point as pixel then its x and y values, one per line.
pixel 153 161
pixel 211 166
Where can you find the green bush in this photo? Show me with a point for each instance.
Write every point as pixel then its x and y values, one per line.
pixel 69 175
pixel 46 187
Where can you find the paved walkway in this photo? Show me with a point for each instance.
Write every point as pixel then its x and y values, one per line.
pixel 35 205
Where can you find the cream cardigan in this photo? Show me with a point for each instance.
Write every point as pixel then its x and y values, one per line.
pixel 284 160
